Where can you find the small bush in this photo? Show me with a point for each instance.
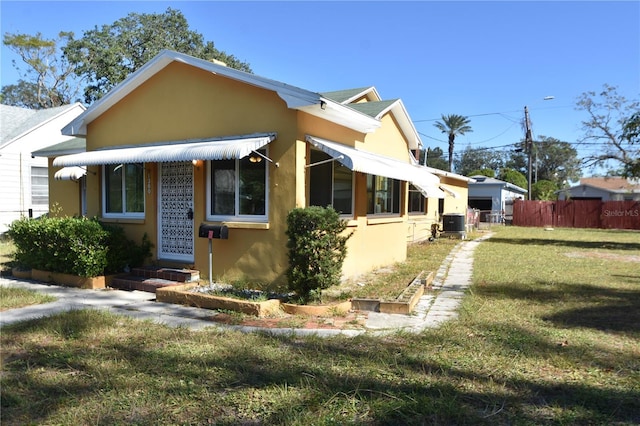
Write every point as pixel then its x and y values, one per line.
pixel 317 249
pixel 77 246
pixel 123 252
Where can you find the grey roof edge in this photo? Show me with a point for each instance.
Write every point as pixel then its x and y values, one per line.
pixel 71 146
pixel 633 190
pixel 494 181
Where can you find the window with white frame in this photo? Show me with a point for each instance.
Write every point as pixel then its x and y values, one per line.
pixel 416 200
pixel 39 186
pixel 330 183
pixel 123 190
pixel 237 188
pixel 383 195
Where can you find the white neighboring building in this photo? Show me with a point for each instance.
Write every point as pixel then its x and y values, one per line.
pixel 24 180
pixel 494 198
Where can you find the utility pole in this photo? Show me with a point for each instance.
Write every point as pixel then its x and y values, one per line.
pixel 529 147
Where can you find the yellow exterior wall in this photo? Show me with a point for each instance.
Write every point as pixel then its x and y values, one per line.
pixel 183 102
pixel 419 226
pixel 376 241
pixel 64 195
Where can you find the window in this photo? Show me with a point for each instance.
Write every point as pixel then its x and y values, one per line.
pixel 39 186
pixel 330 183
pixel 383 195
pixel 416 200
pixel 237 189
pixel 123 190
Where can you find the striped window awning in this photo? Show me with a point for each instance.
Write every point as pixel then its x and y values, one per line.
pixel 202 149
pixel 374 164
pixel 70 173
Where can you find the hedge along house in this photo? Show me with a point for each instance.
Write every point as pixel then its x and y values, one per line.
pixel 183 142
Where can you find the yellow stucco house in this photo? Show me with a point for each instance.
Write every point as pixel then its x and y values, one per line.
pixel 184 142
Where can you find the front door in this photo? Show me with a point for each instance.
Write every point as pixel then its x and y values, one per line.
pixel 175 212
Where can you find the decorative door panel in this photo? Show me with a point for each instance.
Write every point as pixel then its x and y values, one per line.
pixel 175 212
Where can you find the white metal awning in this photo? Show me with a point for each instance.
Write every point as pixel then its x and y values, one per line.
pixel 374 164
pixel 70 173
pixel 202 149
pixel 449 191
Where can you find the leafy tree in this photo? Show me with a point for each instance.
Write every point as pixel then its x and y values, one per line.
pixel 555 160
pixel 544 190
pixel 631 134
pixel 608 115
pixel 24 94
pixel 434 158
pixel 453 125
pixel 473 159
pixel 49 78
pixel 517 159
pixel 514 177
pixel 483 172
pixel 106 56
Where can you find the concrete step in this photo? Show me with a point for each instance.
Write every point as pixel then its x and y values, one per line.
pixel 150 285
pixel 171 274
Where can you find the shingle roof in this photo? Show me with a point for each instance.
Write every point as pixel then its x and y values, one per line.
pixel 15 121
pixel 610 183
pixel 373 109
pixel 344 95
pixel 72 146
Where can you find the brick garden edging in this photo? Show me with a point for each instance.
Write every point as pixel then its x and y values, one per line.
pixel 182 295
pixel 404 303
pixel 70 280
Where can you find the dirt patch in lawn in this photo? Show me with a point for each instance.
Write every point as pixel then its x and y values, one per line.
pixel 353 320
pixel 602 255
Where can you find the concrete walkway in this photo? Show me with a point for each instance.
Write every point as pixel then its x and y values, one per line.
pixel 450 283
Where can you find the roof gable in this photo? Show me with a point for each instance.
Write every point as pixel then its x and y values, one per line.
pixel 295 98
pixel 349 96
pixel 17 122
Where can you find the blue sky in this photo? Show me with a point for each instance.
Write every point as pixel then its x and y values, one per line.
pixel 483 59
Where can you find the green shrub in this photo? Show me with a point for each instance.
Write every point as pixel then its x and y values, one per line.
pixel 123 252
pixel 317 248
pixel 77 246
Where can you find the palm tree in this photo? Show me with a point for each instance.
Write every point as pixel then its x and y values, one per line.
pixel 453 125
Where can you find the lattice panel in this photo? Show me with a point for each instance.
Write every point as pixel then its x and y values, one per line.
pixel 176 199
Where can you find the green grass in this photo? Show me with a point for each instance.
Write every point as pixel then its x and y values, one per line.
pixel 548 334
pixel 6 250
pixel 11 297
pixel 388 282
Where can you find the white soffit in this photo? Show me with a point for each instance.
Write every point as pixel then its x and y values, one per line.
pixel 374 164
pixel 203 149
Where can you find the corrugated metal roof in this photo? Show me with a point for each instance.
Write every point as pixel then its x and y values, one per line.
pixel 203 149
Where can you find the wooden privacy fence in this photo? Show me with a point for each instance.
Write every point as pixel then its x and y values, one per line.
pixel 578 214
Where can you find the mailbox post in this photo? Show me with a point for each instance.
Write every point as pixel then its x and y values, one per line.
pixel 220 232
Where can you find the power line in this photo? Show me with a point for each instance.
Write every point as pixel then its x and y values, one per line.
pixel 498 113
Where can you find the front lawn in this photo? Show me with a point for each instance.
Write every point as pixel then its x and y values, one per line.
pixel 548 334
